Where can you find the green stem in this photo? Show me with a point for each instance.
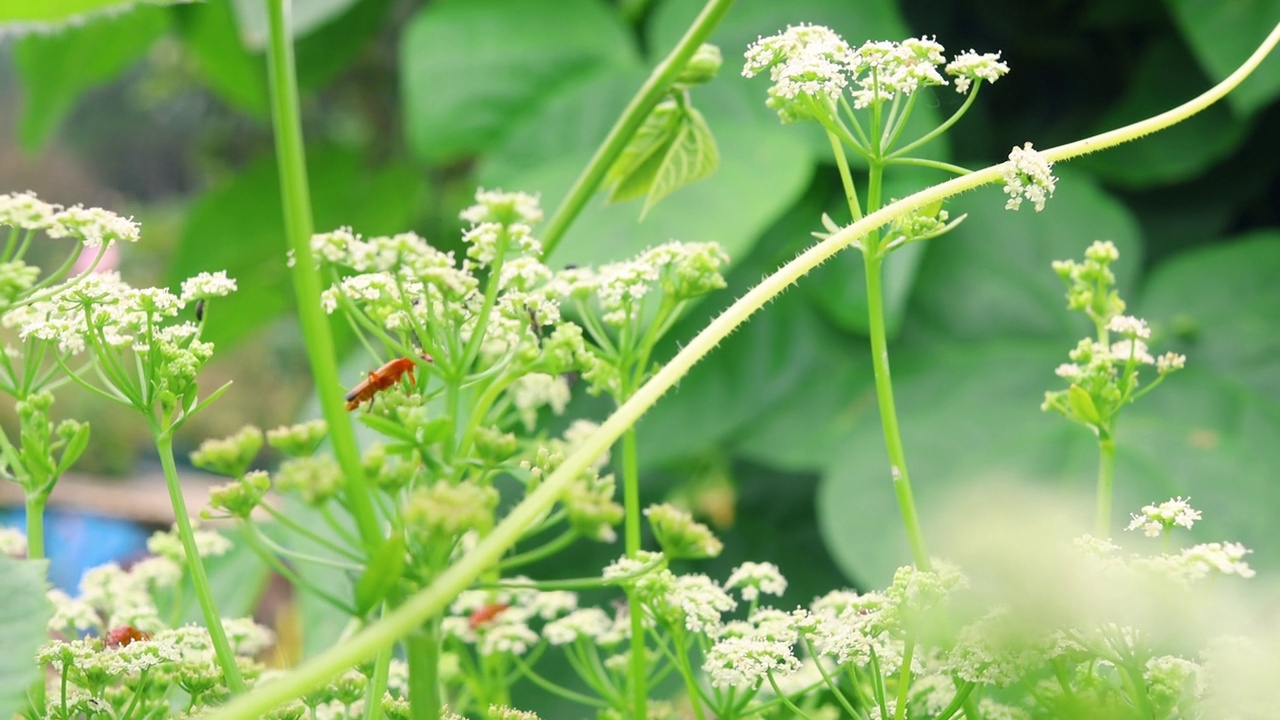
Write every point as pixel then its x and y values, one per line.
pixel 423 649
pixel 846 177
pixel 630 121
pixel 638 665
pixel 889 411
pixel 1106 481
pixel 434 598
pixel 296 199
pixel 377 685
pixel 904 678
pixel 35 503
pixel 204 594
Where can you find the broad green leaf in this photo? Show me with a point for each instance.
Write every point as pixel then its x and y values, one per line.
pixel 240 228
pixel 20 17
pixel 305 17
pixel 24 611
pixel 991 276
pixel 968 413
pixel 1220 304
pixel 57 69
pixel 239 77
pixel 1165 77
pixel 338 45
pixel 1222 35
pixel 763 172
pixel 471 69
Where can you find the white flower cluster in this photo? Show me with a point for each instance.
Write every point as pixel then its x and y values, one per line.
pixel 811 66
pixel 1028 176
pixel 1154 520
pixel 93 227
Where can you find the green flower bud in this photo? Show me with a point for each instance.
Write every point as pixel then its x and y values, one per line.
pixel 229 456
pixel 298 440
pixel 702 67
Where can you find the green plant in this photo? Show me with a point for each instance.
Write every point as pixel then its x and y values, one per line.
pixel 418 528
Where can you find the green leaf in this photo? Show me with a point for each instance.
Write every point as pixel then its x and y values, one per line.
pixel 692 156
pixel 57 69
pixel 632 174
pixel 20 17
pixel 239 77
pixel 547 152
pixel 1222 35
pixel 1082 405
pixel 969 414
pixel 1219 305
pixel 672 149
pixel 24 611
pixel 382 574
pixel 74 449
pixel 472 69
pixel 337 46
pixel 991 276
pixel 1160 82
pixel 239 228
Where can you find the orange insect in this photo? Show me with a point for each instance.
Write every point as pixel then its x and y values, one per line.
pixel 486 614
pixel 381 379
pixel 123 635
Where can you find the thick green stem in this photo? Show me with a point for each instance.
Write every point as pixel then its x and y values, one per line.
pixel 204 594
pixel 296 199
pixel 1106 481
pixel 630 121
pixel 889 411
pixel 35 503
pixel 638 666
pixel 423 649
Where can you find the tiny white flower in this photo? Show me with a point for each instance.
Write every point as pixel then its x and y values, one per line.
pixel 1132 351
pixel 970 66
pixel 1130 327
pixel 206 285
pixel 1169 362
pixel 755 578
pixel 1028 176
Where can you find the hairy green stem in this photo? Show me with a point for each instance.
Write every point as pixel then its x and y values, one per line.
pixel 434 598
pixel 296 199
pixel 889 411
pixel 630 121
pixel 195 566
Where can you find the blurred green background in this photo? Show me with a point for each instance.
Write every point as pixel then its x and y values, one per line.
pixel 161 112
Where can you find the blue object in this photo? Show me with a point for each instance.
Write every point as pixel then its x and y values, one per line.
pixel 76 541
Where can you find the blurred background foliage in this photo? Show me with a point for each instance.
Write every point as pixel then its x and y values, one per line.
pixel 160 111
